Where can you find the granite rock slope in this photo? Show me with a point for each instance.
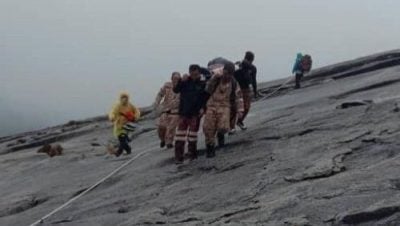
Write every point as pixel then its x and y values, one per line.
pixel 326 154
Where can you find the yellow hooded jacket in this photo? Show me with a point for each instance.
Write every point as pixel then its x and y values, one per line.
pixel 117 115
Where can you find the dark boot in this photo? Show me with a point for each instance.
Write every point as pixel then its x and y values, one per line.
pixel 241 125
pixel 170 146
pixel 298 81
pixel 221 140
pixel 179 151
pixel 162 144
pixel 210 151
pixel 123 145
pixel 128 150
pixel 192 149
pixel 118 152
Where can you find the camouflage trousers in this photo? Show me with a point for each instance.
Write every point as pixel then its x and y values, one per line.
pixel 247 103
pixel 217 120
pixel 167 125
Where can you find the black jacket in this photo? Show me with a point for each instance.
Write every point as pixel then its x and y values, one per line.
pixel 193 96
pixel 246 76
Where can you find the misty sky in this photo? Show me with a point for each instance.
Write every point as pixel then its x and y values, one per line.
pixel 69 59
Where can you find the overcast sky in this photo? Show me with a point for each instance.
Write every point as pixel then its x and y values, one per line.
pixel 69 59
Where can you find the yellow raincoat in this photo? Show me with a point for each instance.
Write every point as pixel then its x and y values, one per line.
pixel 118 115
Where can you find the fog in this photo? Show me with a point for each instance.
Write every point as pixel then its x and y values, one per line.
pixel 63 60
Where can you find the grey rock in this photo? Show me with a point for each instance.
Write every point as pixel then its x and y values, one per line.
pixel 301 162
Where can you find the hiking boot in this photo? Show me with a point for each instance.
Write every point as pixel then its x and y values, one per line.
pixel 232 132
pixel 192 157
pixel 162 144
pixel 179 152
pixel 170 146
pixel 221 140
pixel 242 126
pixel 192 150
pixel 118 153
pixel 210 151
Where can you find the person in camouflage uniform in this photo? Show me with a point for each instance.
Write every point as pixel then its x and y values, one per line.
pixel 169 118
pixel 224 94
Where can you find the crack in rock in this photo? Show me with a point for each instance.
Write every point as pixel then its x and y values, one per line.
pixel 374 214
pixel 232 167
pixel 233 213
pixel 350 104
pixel 297 221
pixel 391 62
pixel 395 184
pixel 322 169
pixel 355 136
pixel 22 205
pixel 271 138
pixel 79 192
pixel 367 88
pixel 301 133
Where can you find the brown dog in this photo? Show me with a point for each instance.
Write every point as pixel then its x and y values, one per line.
pixel 51 150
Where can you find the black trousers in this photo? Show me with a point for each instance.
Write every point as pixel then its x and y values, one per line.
pixel 299 76
pixel 123 144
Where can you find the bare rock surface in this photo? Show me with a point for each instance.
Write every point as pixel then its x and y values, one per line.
pixel 303 161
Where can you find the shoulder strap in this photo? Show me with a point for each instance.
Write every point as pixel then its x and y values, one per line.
pixel 212 85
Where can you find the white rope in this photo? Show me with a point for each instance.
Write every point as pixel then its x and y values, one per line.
pixel 90 188
pixel 280 87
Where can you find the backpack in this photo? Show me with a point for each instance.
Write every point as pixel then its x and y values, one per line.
pixel 233 90
pixel 306 63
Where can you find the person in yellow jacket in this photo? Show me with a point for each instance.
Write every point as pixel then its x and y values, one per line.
pixel 121 114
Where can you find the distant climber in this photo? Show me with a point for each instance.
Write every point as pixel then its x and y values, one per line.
pixel 303 64
pixel 51 150
pixel 225 97
pixel 168 121
pixel 121 115
pixel 246 75
pixel 192 100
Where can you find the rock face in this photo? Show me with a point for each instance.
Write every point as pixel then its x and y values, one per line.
pixel 327 154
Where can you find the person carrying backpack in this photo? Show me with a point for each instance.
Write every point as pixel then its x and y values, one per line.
pixel 123 113
pixel 224 93
pixel 303 64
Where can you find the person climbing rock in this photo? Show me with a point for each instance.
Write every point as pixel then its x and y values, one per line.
pixel 192 100
pixel 302 64
pixel 122 113
pixel 168 121
pixel 224 94
pixel 246 75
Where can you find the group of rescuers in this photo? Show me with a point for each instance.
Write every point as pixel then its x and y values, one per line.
pixel 221 95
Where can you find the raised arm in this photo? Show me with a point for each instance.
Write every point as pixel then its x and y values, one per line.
pixel 160 96
pixel 112 115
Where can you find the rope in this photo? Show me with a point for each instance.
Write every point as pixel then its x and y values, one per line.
pixel 280 87
pixel 90 188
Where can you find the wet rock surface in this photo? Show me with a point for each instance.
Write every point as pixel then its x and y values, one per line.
pixel 303 161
